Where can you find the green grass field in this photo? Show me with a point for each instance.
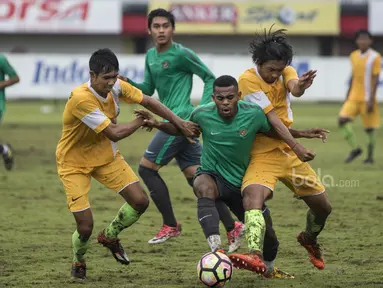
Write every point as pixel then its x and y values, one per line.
pixel 36 226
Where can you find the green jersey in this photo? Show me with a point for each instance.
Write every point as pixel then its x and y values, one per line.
pixel 227 144
pixel 5 69
pixel 171 74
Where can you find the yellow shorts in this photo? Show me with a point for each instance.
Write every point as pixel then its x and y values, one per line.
pixel 351 109
pixel 115 175
pixel 267 168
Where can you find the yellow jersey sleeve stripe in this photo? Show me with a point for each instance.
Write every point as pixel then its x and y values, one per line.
pixel 102 126
pixel 261 99
pixel 94 119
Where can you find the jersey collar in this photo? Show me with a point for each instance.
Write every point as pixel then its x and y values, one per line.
pixel 98 96
pixel 365 53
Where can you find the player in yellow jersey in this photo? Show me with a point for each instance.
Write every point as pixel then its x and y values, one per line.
pixel 269 84
pixel 87 149
pixel 361 96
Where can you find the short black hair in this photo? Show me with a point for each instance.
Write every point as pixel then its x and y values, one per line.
pixel 271 46
pixel 225 81
pixel 103 61
pixel 362 32
pixel 161 13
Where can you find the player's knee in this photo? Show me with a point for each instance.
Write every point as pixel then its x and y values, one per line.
pixel 203 190
pixel 327 209
pixel 342 121
pixel 141 203
pixel 323 211
pixel 252 198
pixel 85 229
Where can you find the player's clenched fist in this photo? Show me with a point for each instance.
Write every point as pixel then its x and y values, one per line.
pixel 303 154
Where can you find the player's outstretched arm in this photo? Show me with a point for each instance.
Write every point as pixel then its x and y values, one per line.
pixel 309 133
pixel 117 132
pixel 147 87
pixel 185 127
pixel 297 87
pixel 151 122
pixel 284 134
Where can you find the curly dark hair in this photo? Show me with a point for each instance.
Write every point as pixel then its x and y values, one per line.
pixel 271 46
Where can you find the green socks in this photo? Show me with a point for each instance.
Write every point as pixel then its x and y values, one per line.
pixel 314 225
pixel 79 247
pixel 125 218
pixel 348 134
pixel 255 230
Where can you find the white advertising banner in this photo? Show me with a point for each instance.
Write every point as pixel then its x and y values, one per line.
pixel 54 76
pixel 375 19
pixel 60 16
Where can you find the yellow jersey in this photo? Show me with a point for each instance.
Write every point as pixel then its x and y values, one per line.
pixel 364 66
pixel 86 114
pixel 268 96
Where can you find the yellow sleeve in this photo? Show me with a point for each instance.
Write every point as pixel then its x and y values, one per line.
pixel 129 93
pixel 251 91
pixel 377 65
pixel 89 113
pixel 289 73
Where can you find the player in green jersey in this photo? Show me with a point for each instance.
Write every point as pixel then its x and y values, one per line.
pixel 229 127
pixel 169 69
pixel 6 70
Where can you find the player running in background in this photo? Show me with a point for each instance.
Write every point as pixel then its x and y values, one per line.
pixel 269 84
pixel 229 127
pixel 6 70
pixel 169 69
pixel 361 96
pixel 88 148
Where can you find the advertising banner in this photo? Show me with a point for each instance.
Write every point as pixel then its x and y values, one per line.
pixel 238 17
pixel 60 16
pixel 54 76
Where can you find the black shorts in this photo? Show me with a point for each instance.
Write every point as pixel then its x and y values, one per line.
pixel 164 147
pixel 228 193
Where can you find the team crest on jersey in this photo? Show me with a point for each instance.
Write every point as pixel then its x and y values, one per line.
pixel 165 64
pixel 242 132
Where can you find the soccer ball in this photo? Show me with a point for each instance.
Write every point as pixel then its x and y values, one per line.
pixel 214 269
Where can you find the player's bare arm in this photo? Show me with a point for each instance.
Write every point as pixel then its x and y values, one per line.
pixel 349 87
pixel 297 87
pixel 371 100
pixel 185 127
pixel 151 122
pixel 117 132
pixel 9 82
pixel 319 133
pixel 283 132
